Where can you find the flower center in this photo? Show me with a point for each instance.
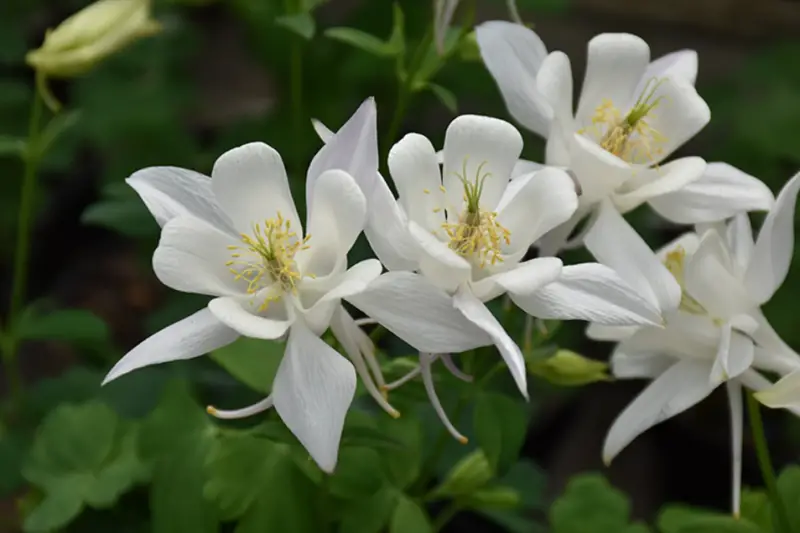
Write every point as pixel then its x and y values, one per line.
pixel 477 234
pixel 675 263
pixel 631 138
pixel 267 257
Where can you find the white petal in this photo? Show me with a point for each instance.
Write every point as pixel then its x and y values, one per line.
pixel 785 393
pixel 680 387
pixel 525 278
pixel 250 184
pixel 599 332
pixel 313 389
pixel 419 313
pixel 772 353
pixel 559 239
pixel 191 257
pixel 354 281
pixel 772 254
pixel 415 171
pixel 756 382
pixel 721 192
pixel 614 243
pixel 477 313
pixel 340 211
pixel 688 242
pixel 387 230
pixel 591 292
pixel 599 173
pixel 737 423
pixel 734 355
pixel 479 148
pixel 525 167
pixel 554 83
pixel 191 337
pixel 739 235
pixel 513 54
pixel 438 262
pixel 353 149
pixel 654 182
pixel 323 132
pixel 535 204
pixel 170 192
pixel 680 64
pixel 614 66
pixel 635 364
pixel 240 315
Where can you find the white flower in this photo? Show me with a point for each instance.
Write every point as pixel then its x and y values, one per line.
pixel 237 237
pixel 632 114
pixel 714 283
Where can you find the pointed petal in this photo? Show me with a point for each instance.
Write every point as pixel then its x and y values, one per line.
pixel 313 389
pixel 170 192
pixel 477 313
pixel 554 83
pixel 191 337
pixel 633 364
pixel 739 236
pixel 681 64
pixel 614 243
pixel 591 292
pixel 339 214
pixel 523 167
pixel 415 171
pixel 478 147
pixel 324 133
pixel 419 313
pixel 239 314
pixel 250 184
pixel 438 262
pixel 355 280
pixel 734 355
pixel 773 250
pixel 387 230
pixel 425 361
pixel 525 279
pixel 680 387
pixel 654 182
pixel 785 393
pixel 513 54
pixel 721 192
pixel 737 423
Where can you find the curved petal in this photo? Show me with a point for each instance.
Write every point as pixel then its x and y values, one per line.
pixel 479 148
pixel 614 65
pixel 599 332
pixel 680 387
pixel 563 236
pixel 734 355
pixel 721 192
pixel 313 390
pixel 599 173
pixel 193 256
pixel 634 364
pixel 477 313
pixel 525 278
pixel 651 183
pixel 339 214
pixel 554 83
pixel 680 64
pixel 171 192
pixel 231 312
pixel 591 292
pixel 324 133
pixel 523 167
pixel 739 236
pixel 534 205
pixel 688 242
pixel 191 337
pixel 250 184
pixel 355 280
pixel 513 54
pixel 419 313
pixel 772 254
pixel 438 262
pixel 387 230
pixel 784 394
pixel 415 171
pixel 615 244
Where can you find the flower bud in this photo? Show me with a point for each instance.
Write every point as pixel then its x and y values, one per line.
pixel 569 369
pixel 498 497
pixel 91 35
pixel 467 476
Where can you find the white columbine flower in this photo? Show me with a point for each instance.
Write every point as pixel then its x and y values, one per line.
pixel 631 115
pixel 465 229
pixel 714 282
pixel 237 237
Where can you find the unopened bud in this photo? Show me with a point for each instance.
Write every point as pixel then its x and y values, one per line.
pixel 494 498
pixel 570 369
pixel 91 35
pixel 467 476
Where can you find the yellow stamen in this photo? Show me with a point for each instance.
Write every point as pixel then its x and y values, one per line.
pixel 675 264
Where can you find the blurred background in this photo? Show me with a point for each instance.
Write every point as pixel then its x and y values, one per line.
pixel 220 74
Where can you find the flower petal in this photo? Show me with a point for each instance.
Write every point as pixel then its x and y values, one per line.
pixel 525 278
pixel 591 292
pixel 339 214
pixel 599 332
pixel 250 184
pixel 192 256
pixel 785 393
pixel 680 64
pixel 415 171
pixel 479 148
pixel 438 262
pixel 680 387
pixel 614 65
pixel 772 254
pixel 523 167
pixel 598 172
pixel 324 133
pixel 513 54
pixel 721 192
pixel 477 313
pixel 313 390
pixel 191 337
pixel 534 205
pixel 734 355
pixel 651 183
pixel 171 192
pixel 739 236
pixel 239 314
pixel 614 243
pixel 354 281
pixel 554 83
pixel 387 230
pixel 635 364
pixel 419 313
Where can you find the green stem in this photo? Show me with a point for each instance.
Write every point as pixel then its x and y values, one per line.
pixel 765 463
pixel 447 514
pixel 296 88
pixel 22 253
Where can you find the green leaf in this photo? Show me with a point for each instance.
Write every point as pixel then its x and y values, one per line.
pixel 789 489
pixel 569 369
pixel 358 475
pixel 683 519
pixel 363 41
pixel 13 447
pixel 497 497
pixel 254 362
pixel 468 475
pixel 403 466
pixel 301 24
pixel 54 512
pixel 75 325
pixel 397 40
pixel 12 145
pixel 361 430
pixel 756 508
pixel 500 427
pixel 370 515
pixel 409 517
pixel 120 209
pixel 445 96
pixel 591 505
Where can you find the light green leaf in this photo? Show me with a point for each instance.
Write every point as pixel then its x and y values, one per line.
pixel 445 96
pixel 789 489
pixel 370 515
pixel 54 512
pixel 397 40
pixel 500 427
pixel 682 519
pixel 468 475
pixel 302 24
pixel 254 362
pixel 757 509
pixel 12 145
pixel 409 517
pixel 591 505
pixel 363 41
pixel 119 474
pixel 76 325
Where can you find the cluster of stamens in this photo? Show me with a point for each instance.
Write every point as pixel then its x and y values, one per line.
pixel 268 257
pixel 631 138
pixel 675 264
pixel 477 233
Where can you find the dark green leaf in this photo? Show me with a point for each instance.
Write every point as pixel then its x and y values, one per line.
pixel 756 508
pixel 76 325
pixel 500 427
pixel 370 515
pixel 121 209
pixel 301 24
pixel 591 505
pixel 254 362
pixel 445 96
pixel 12 452
pixel 363 41
pixel 12 145
pixel 681 519
pixel 409 517
pixel 497 497
pixel 403 465
pixel 57 126
pixel 358 474
pixel 54 512
pixel 789 489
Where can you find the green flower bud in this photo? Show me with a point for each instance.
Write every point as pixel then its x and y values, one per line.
pixel 494 498
pixel 467 476
pixel 91 35
pixel 569 369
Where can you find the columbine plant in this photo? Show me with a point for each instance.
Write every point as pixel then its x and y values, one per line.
pixel 632 114
pixel 713 282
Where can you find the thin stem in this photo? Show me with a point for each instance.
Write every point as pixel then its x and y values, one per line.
pixel 765 463
pixel 22 252
pixel 447 514
pixel 296 86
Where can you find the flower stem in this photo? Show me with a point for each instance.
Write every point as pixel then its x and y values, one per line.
pixel 447 514
pixel 765 464
pixel 22 253
pixel 296 86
